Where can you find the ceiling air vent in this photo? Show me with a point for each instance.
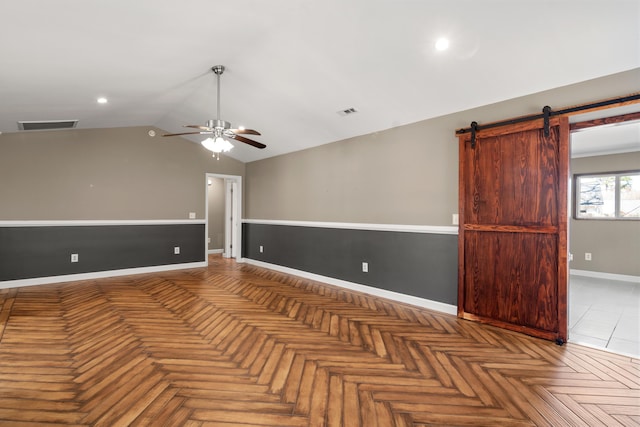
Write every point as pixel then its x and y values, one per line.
pixel 46 124
pixel 347 111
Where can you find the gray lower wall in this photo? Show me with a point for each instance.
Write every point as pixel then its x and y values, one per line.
pixel 45 251
pixel 419 264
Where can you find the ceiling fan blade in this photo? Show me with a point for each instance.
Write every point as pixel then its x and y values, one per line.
pixel 198 127
pixel 250 141
pixel 245 131
pixel 187 133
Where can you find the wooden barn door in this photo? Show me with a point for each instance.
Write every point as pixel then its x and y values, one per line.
pixel 513 228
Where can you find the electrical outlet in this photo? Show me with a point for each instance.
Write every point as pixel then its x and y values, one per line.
pixel 455 219
pixel 74 257
pixel 192 215
pixel 261 249
pixel 176 250
pixel 365 267
pixel 208 239
pixel 570 257
pixel 587 256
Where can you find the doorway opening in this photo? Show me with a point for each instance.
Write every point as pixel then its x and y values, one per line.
pixel 604 277
pixel 223 207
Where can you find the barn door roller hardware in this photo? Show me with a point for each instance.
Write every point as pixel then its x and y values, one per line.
pixel 474 129
pixel 547 113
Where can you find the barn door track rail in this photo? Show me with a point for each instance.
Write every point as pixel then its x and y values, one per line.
pixel 546 114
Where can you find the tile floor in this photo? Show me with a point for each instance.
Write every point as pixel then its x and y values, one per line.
pixel 605 313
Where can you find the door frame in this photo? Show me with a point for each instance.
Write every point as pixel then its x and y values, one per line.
pixel 233 209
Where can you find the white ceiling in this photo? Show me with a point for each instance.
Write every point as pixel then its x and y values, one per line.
pixel 608 139
pixel 292 64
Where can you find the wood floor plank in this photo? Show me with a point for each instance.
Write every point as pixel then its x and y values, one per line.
pixel 303 402
pixel 160 408
pixel 580 411
pixel 319 399
pixel 238 345
pixel 335 403
pixel 238 405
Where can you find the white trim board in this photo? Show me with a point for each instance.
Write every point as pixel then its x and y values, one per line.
pixel 215 251
pixel 608 276
pixel 98 275
pixel 395 296
pixel 431 229
pixel 80 223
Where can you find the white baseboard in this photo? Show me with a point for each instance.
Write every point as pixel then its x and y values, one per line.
pixel 98 275
pixel 395 296
pixel 215 251
pixel 608 276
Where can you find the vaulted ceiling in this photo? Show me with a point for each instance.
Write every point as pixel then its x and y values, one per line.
pixel 292 65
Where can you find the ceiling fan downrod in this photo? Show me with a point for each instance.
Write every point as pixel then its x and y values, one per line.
pixel 218 70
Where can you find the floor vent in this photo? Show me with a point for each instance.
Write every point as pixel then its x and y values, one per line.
pixel 46 124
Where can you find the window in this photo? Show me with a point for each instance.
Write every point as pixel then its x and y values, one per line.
pixel 614 195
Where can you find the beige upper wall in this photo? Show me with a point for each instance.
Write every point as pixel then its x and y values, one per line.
pixel 104 174
pixel 614 245
pixel 366 179
pixel 404 175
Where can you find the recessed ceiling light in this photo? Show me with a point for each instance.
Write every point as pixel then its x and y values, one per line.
pixel 102 100
pixel 442 44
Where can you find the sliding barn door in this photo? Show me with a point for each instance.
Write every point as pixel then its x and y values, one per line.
pixel 513 234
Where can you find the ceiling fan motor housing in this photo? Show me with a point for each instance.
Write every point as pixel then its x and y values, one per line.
pixel 218 124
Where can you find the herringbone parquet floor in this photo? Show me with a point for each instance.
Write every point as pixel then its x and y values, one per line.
pixel 237 345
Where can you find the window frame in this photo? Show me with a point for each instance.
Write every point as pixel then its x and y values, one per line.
pixel 575 205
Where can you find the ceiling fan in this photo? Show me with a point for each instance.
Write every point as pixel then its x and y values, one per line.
pixel 220 129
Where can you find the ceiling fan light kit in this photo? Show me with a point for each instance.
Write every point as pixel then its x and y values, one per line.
pixel 220 130
pixel 217 145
